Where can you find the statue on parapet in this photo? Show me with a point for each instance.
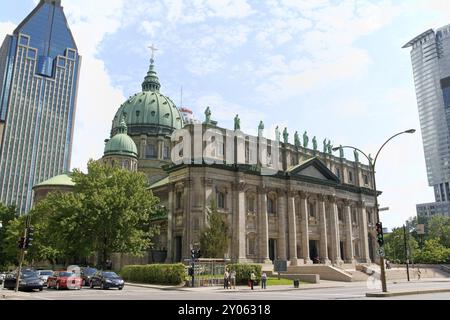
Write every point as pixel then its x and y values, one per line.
pixel 285 135
pixel 305 140
pixel 237 123
pixel 325 146
pixel 297 140
pixel 356 155
pixel 260 128
pixel 341 151
pixel 314 141
pixel 207 115
pixel 277 134
pixel 330 147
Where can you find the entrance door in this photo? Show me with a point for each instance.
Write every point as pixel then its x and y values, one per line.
pixel 313 253
pixel 178 244
pixel 272 246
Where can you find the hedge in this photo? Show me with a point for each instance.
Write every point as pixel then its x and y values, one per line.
pixel 173 274
pixel 243 271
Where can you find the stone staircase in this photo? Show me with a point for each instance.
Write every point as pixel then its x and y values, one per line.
pixel 326 272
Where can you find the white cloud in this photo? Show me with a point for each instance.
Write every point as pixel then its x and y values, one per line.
pixel 5 29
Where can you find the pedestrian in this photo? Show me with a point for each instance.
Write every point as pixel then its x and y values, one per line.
pixel 226 276
pixel 252 279
pixel 233 279
pixel 418 273
pixel 264 281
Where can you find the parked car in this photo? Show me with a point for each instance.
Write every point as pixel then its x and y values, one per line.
pixel 86 275
pixel 64 280
pixel 44 274
pixel 28 281
pixel 106 280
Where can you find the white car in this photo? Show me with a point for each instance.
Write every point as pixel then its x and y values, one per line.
pixel 44 274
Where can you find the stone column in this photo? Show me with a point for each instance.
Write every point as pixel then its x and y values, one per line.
pixel 349 250
pixel 363 233
pixel 323 230
pixel 263 226
pixel 170 208
pixel 239 214
pixel 281 202
pixel 187 232
pixel 304 227
pixel 334 226
pixel 292 230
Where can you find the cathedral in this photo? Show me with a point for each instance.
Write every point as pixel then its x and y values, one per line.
pixel 313 207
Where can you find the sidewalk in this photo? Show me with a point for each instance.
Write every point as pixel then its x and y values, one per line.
pixel 11 294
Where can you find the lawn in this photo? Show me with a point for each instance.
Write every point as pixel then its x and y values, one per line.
pixel 273 281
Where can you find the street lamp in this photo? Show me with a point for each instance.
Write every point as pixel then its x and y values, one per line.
pixel 372 164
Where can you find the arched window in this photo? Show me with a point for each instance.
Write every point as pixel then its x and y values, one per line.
pixel 271 205
pixel 150 151
pixel 221 200
pixel 178 200
pixel 311 210
pixel 251 204
pixel 354 218
pixel 340 214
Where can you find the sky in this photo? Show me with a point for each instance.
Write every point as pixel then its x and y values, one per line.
pixel 333 68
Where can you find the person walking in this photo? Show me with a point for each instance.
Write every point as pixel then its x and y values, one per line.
pixel 233 279
pixel 226 277
pixel 418 273
pixel 264 281
pixel 252 279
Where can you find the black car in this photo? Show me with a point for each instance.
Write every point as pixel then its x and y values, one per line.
pixel 86 275
pixel 29 280
pixel 106 280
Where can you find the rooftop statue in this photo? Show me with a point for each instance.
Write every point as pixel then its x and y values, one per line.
pixel 260 128
pixel 305 140
pixel 355 153
pixel 325 146
pixel 285 136
pixel 277 134
pixel 207 115
pixel 296 139
pixel 237 123
pixel 341 151
pixel 314 141
pixel 330 147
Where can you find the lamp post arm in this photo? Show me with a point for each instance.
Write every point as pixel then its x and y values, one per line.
pixel 378 153
pixel 365 155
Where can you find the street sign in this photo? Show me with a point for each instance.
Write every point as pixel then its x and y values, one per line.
pixel 380 252
pixel 420 229
pixel 280 266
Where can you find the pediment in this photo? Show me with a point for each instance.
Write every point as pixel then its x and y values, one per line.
pixel 313 168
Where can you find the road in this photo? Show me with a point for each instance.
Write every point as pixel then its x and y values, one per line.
pixel 336 291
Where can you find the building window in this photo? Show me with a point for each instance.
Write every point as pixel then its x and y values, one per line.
pixel 221 200
pixel 166 152
pixel 61 62
pixel 338 173
pixel 251 204
pixel 366 179
pixel 340 214
pixel 150 151
pixel 354 216
pixel 71 54
pixel 350 176
pixel 251 245
pixel 271 205
pixel 31 54
pixel 311 210
pixel 178 200
pixel 23 41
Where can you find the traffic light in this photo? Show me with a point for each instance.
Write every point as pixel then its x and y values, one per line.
pixel 199 254
pixel 21 243
pixel 191 271
pixel 192 253
pixel 29 238
pixel 379 228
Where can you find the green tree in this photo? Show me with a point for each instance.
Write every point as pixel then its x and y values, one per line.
pixel 394 245
pixel 439 228
pixel 215 236
pixel 7 217
pixel 432 252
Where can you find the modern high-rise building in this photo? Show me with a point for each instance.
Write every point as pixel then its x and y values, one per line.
pixel 39 69
pixel 430 57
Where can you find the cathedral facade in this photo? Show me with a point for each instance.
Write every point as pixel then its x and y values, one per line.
pixel 312 206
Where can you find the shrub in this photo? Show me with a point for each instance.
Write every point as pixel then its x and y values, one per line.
pixel 244 270
pixel 173 274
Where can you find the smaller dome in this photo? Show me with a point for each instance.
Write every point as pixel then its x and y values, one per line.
pixel 61 180
pixel 121 143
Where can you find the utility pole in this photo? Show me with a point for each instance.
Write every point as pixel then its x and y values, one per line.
pixel 406 251
pixel 22 252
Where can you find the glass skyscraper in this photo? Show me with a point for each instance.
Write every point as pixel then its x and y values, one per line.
pixel 430 57
pixel 39 69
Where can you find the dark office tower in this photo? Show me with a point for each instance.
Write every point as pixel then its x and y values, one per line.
pixel 39 68
pixel 430 56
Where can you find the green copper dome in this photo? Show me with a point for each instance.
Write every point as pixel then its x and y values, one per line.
pixel 149 111
pixel 121 143
pixel 61 180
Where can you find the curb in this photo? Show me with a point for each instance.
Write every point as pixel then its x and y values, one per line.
pixel 405 293
pixel 149 286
